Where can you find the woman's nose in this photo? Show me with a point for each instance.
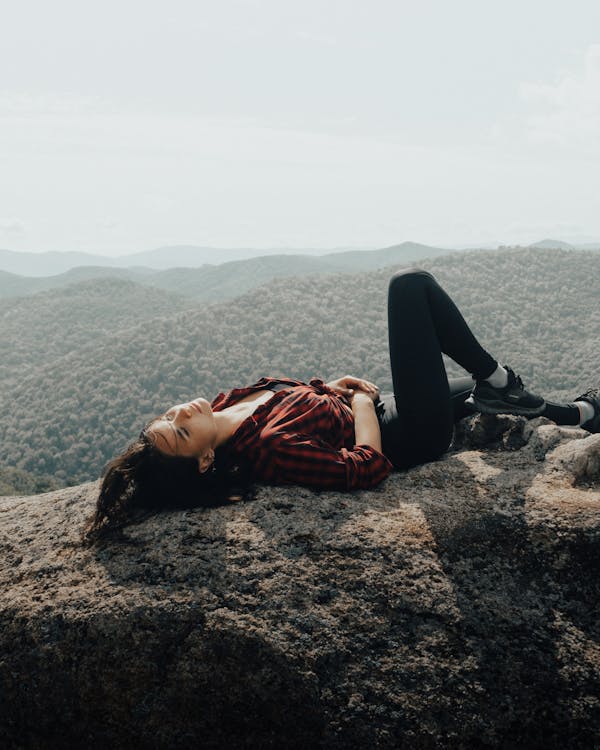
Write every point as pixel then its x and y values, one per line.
pixel 181 412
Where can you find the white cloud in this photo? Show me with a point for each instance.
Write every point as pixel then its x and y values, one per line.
pixel 570 107
pixel 12 225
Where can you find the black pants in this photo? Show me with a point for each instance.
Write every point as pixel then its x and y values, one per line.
pixel 417 419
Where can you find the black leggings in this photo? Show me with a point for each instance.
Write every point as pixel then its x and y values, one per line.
pixel 417 419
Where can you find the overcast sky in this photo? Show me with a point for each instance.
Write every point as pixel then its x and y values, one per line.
pixel 259 123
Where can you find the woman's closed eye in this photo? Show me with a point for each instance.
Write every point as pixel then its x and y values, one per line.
pixel 169 416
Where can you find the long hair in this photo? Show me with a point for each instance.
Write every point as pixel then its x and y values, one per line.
pixel 142 480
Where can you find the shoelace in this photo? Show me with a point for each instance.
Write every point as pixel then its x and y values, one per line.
pixel 519 382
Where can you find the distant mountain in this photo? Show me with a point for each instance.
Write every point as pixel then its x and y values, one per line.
pixel 553 245
pixel 228 280
pixel 194 256
pixel 12 285
pixel 161 258
pixel 405 252
pixel 53 263
pixel 48 264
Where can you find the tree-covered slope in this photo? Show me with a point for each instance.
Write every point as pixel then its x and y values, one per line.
pixel 538 312
pixel 39 329
pixel 19 482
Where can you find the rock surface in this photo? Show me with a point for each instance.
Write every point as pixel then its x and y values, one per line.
pixel 456 606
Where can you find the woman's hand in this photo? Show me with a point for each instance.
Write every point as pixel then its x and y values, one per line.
pixel 348 385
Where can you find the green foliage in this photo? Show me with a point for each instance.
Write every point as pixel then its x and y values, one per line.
pixel 39 329
pixel 18 482
pixel 80 385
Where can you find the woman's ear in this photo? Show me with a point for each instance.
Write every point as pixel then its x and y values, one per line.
pixel 206 461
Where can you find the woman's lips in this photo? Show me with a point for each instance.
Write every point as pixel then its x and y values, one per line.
pixel 196 406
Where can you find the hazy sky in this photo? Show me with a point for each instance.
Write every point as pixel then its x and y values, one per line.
pixel 128 125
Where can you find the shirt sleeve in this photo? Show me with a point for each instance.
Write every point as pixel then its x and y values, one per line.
pixel 295 458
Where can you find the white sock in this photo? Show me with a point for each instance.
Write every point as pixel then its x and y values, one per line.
pixel 499 378
pixel 586 411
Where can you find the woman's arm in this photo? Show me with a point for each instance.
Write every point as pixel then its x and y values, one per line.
pixel 347 385
pixel 290 458
pixel 366 425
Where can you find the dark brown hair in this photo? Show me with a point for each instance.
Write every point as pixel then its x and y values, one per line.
pixel 142 480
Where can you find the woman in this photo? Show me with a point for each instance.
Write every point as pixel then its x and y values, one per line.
pixel 340 435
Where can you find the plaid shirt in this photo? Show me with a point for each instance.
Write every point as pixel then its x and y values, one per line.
pixel 304 435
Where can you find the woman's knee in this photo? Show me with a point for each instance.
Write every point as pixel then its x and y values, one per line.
pixel 410 277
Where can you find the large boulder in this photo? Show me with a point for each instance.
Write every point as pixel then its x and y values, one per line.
pixel 456 606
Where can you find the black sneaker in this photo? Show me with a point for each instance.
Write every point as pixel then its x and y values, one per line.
pixel 592 397
pixel 512 399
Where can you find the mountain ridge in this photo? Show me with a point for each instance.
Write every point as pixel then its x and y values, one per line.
pixel 212 282
pixel 55 262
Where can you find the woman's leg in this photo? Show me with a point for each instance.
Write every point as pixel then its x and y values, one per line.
pixel 398 434
pixel 423 323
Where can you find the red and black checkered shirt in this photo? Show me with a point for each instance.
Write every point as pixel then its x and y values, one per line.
pixel 304 435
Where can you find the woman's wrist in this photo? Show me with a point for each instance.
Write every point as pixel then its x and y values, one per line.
pixel 362 397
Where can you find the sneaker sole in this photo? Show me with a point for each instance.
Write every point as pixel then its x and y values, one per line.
pixel 501 407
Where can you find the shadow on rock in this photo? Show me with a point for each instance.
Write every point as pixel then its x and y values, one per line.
pixel 153 678
pixel 523 603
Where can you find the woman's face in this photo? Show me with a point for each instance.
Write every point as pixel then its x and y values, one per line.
pixel 187 430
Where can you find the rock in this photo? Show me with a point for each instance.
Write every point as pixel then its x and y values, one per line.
pixel 456 606
pixel 542 435
pixel 488 430
pixel 579 458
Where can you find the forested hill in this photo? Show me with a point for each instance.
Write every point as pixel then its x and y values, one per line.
pixel 39 329
pixel 67 412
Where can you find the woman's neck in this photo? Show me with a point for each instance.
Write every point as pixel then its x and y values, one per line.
pixel 229 419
